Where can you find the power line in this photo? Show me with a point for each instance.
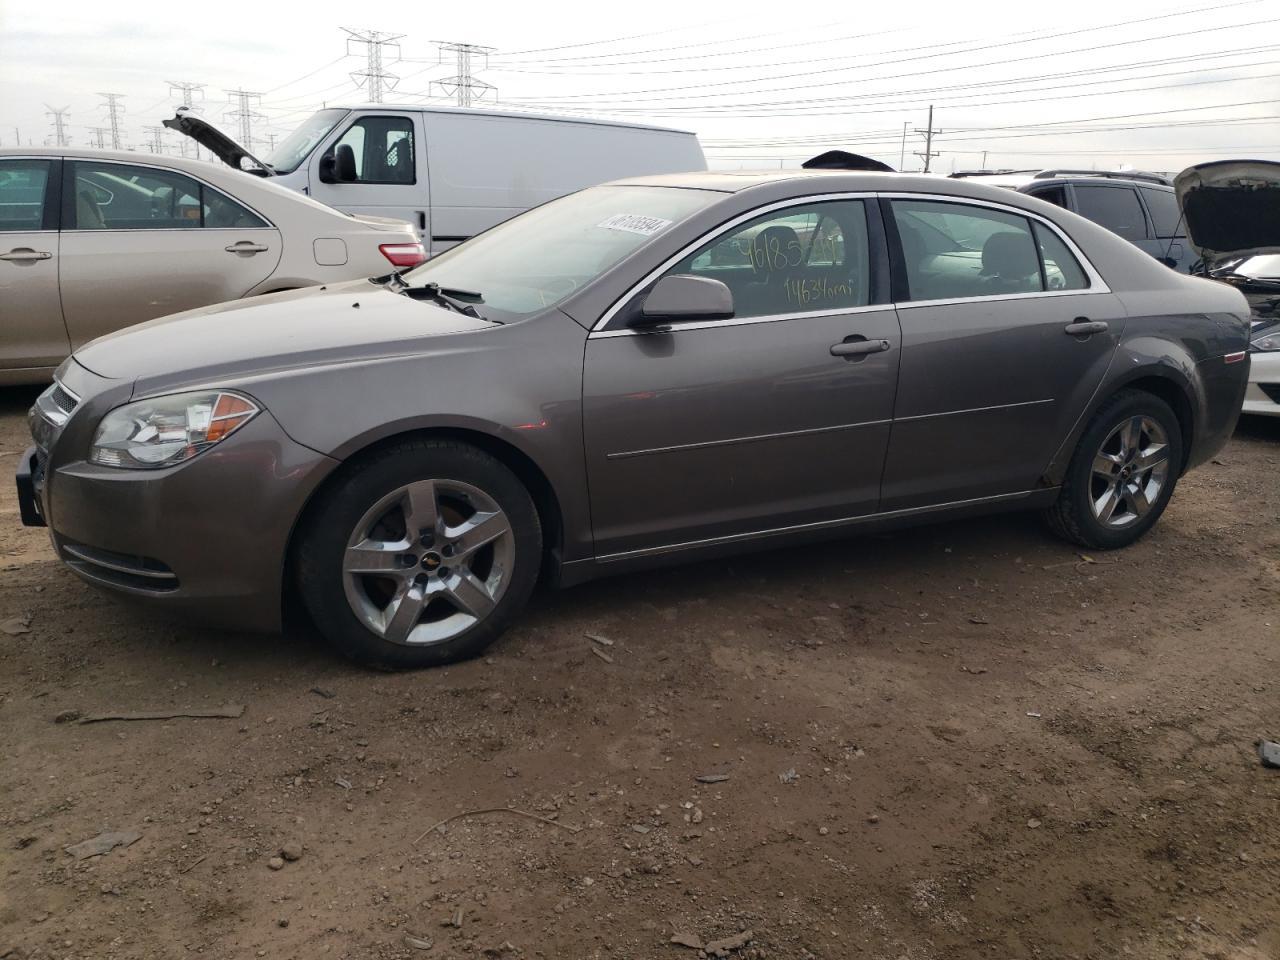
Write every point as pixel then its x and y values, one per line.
pixel 463 85
pixel 374 78
pixel 604 98
pixel 59 117
pixel 114 108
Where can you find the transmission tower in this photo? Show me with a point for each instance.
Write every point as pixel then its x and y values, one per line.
pixel 928 153
pixel 98 136
pixel 114 109
pixel 156 142
pixel 187 90
pixel 244 114
pixel 463 85
pixel 374 78
pixel 59 117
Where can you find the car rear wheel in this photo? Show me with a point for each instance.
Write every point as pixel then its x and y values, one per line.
pixel 1122 473
pixel 420 555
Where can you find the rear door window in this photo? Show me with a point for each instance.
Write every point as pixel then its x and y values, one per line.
pixel 1114 207
pixel 22 191
pixel 953 250
pixel 1165 216
pixel 383 148
pixel 118 196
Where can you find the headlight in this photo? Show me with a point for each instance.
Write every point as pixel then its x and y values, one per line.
pixel 168 430
pixel 1270 341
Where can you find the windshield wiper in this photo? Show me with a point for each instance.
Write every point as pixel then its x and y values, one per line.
pixel 450 298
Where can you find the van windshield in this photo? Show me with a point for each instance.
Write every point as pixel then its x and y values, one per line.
pixel 537 259
pixel 298 145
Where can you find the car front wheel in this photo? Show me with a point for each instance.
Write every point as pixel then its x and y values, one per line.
pixel 1122 473
pixel 420 555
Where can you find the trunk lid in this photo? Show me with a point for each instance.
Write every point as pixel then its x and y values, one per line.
pixel 216 142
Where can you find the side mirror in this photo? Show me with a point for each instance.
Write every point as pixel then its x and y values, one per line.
pixel 685 297
pixel 339 165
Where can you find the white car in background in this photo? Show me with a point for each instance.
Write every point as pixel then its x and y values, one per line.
pixel 92 241
pixel 1232 212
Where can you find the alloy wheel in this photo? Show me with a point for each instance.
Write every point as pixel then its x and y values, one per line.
pixel 428 561
pixel 1130 471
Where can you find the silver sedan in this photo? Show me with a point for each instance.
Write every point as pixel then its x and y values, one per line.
pixel 92 241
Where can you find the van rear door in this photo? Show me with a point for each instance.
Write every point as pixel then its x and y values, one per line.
pixel 388 150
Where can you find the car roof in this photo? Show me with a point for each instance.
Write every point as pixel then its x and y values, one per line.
pixel 515 114
pixel 189 164
pixel 834 181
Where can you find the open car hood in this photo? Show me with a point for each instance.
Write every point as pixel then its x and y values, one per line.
pixel 1231 208
pixel 216 142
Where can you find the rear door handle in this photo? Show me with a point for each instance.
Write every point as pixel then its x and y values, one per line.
pixel 25 255
pixel 246 246
pixel 858 348
pixel 1083 327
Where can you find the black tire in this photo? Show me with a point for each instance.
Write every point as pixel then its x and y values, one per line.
pixel 1072 517
pixel 322 544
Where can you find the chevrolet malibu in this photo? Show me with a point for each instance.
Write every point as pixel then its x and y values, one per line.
pixel 652 370
pixel 93 240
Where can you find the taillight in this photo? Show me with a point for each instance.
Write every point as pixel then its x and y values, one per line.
pixel 404 254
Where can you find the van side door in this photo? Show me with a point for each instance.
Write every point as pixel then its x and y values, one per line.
pixel 388 151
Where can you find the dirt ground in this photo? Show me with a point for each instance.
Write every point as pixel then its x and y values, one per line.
pixel 959 741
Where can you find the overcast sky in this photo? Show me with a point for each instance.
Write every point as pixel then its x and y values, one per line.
pixel 1090 84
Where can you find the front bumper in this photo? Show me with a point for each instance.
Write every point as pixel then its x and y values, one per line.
pixel 29 469
pixel 1263 394
pixel 207 539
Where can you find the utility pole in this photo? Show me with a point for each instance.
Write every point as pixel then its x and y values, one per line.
pixel 271 140
pixel 59 117
pixel 114 108
pixel 374 78
pixel 187 90
pixel 929 153
pixel 463 85
pixel 157 139
pixel 984 160
pixel 244 115
pixel 902 154
pixel 98 135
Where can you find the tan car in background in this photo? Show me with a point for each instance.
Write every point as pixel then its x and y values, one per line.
pixel 92 241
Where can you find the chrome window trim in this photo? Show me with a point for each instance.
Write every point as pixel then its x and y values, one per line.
pixel 1096 284
pixel 715 231
pixel 739 321
pixel 270 225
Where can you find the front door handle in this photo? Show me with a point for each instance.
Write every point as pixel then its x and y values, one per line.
pixel 1084 327
pixel 246 246
pixel 25 255
pixel 858 348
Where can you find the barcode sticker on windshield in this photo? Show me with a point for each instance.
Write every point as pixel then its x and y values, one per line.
pixel 635 223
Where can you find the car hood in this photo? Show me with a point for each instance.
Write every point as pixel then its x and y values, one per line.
pixel 1231 208
pixel 340 323
pixel 216 142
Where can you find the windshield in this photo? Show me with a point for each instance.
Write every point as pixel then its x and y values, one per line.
pixel 540 257
pixel 298 145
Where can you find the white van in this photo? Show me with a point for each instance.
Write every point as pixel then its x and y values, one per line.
pixel 451 171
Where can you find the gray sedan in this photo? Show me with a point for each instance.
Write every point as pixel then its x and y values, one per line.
pixel 654 370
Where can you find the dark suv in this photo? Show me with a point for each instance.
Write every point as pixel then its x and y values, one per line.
pixel 1140 207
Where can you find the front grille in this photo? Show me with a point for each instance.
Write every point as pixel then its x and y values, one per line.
pixel 1272 390
pixel 63 399
pixel 119 569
